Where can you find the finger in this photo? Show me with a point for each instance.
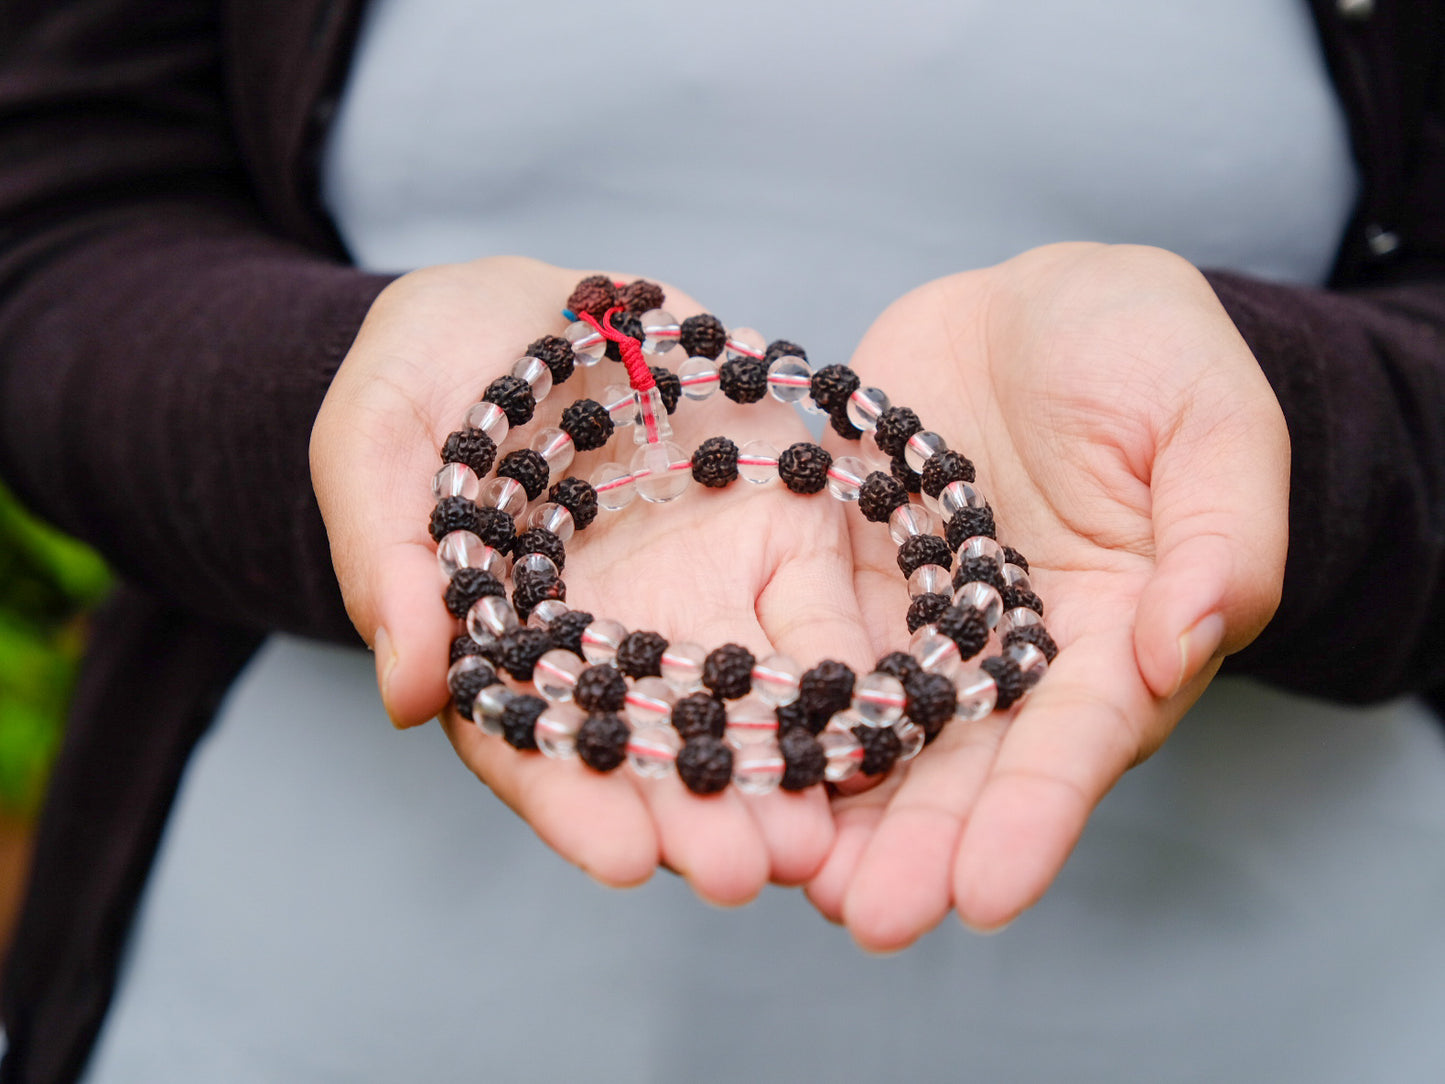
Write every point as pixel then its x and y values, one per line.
pixel 413 634
pixel 855 820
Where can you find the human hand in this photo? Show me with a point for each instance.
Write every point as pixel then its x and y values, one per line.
pixel 769 569
pixel 1135 454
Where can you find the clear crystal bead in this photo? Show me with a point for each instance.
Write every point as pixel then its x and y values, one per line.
pixel 465 665
pixel 935 652
pixel 746 343
pixel 600 640
pixel 462 549
pixel 908 520
pixel 977 694
pixel 555 518
pixel 921 447
pixel 1032 662
pixel 929 579
pixel 556 447
pixel 653 424
pixel 455 480
pixel 556 674
pixel 504 493
pixel 649 702
pixel 750 719
pixel 556 731
pixel 776 679
pixel 758 767
pixel 758 462
pixel 660 331
pixel 864 407
pixel 488 706
pixel 545 612
pixel 981 545
pixel 535 372
pixel 682 666
pixel 587 343
pixel 983 598
pixel 490 617
pixel 957 496
pixel 620 402
pixel 789 379
pixel 652 751
pixel 1014 576
pixel 535 564
pixel 878 699
pixel 698 377
pixel 1017 618
pixel 845 478
pixel 910 739
pixel 844 755
pixel 490 419
pixel 663 471
pixel 614 485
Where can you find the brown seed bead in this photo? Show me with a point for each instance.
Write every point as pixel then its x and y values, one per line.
pixel 1033 634
pixel 899 468
pixel 978 569
pixel 830 387
pixel 527 468
pixel 782 348
pixel 925 610
pixel 966 627
pixel 1009 679
pixel 968 523
pixel 895 426
pixel 602 741
pixel 715 463
pixel 600 688
pixel 825 689
pixel 565 630
pixel 697 715
pixel 803 759
pixel 929 701
pixel 453 514
pixel 705 765
pixel 900 664
pixel 557 354
pixel 791 715
pixel 594 295
pixel 472 447
pixel 881 748
pixel 840 424
pixel 641 296
pixel 530 591
pixel 942 468
pixel 540 540
pixel 587 423
pixel 462 646
pixel 1012 556
pixel 520 649
pixel 496 528
pixel 743 380
pixel 514 396
pixel 923 549
pixel 578 497
pixel 519 721
pixel 639 655
pixel 669 386
pixel 803 467
pixel 629 325
pixel 465 686
pixel 703 336
pixel 879 495
pixel 728 671
pixel 466 586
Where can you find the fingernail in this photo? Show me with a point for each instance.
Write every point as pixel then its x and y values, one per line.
pixel 986 931
pixel 1197 644
pixel 385 664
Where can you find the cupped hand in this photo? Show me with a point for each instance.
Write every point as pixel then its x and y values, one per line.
pixel 1135 454
pixel 768 569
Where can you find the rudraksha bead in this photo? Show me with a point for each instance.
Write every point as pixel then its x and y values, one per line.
pixel 930 701
pixel 899 468
pixel 594 295
pixel 705 765
pixel 472 447
pixel 600 688
pixel 703 336
pixel 578 497
pixel 669 386
pixel 465 685
pixel 519 650
pixel 923 549
pixel 540 540
pixel 728 671
pixel 978 569
pixel 825 689
pixel 526 467
pixel 804 761
pixel 630 325
pixel 792 715
pixel 641 296
pixel 496 528
pixel 895 426
pixel 699 715
pixel 840 424
pixel 830 387
pixel 967 523
pixel 588 424
pixel 925 610
pixel 879 495
pixel 1009 679
pixel 462 646
pixel 602 741
pixel 1012 556
pixel 640 654
pixel 782 348
pixel 1033 634
pixel 900 664
pixel 944 467
pixel 514 396
pixel 1014 597
pixel 519 721
pixel 881 748
pixel 557 354
pixel 966 627
pixel 453 514
pixel 466 586
pixel 715 463
pixel 803 467
pixel 530 590
pixel 565 630
pixel 743 380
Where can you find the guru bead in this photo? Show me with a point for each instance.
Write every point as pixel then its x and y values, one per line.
pixel 594 295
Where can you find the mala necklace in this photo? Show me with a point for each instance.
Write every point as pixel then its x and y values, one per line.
pixel 609 696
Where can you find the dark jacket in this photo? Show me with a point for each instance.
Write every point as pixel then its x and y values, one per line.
pixel 173 303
